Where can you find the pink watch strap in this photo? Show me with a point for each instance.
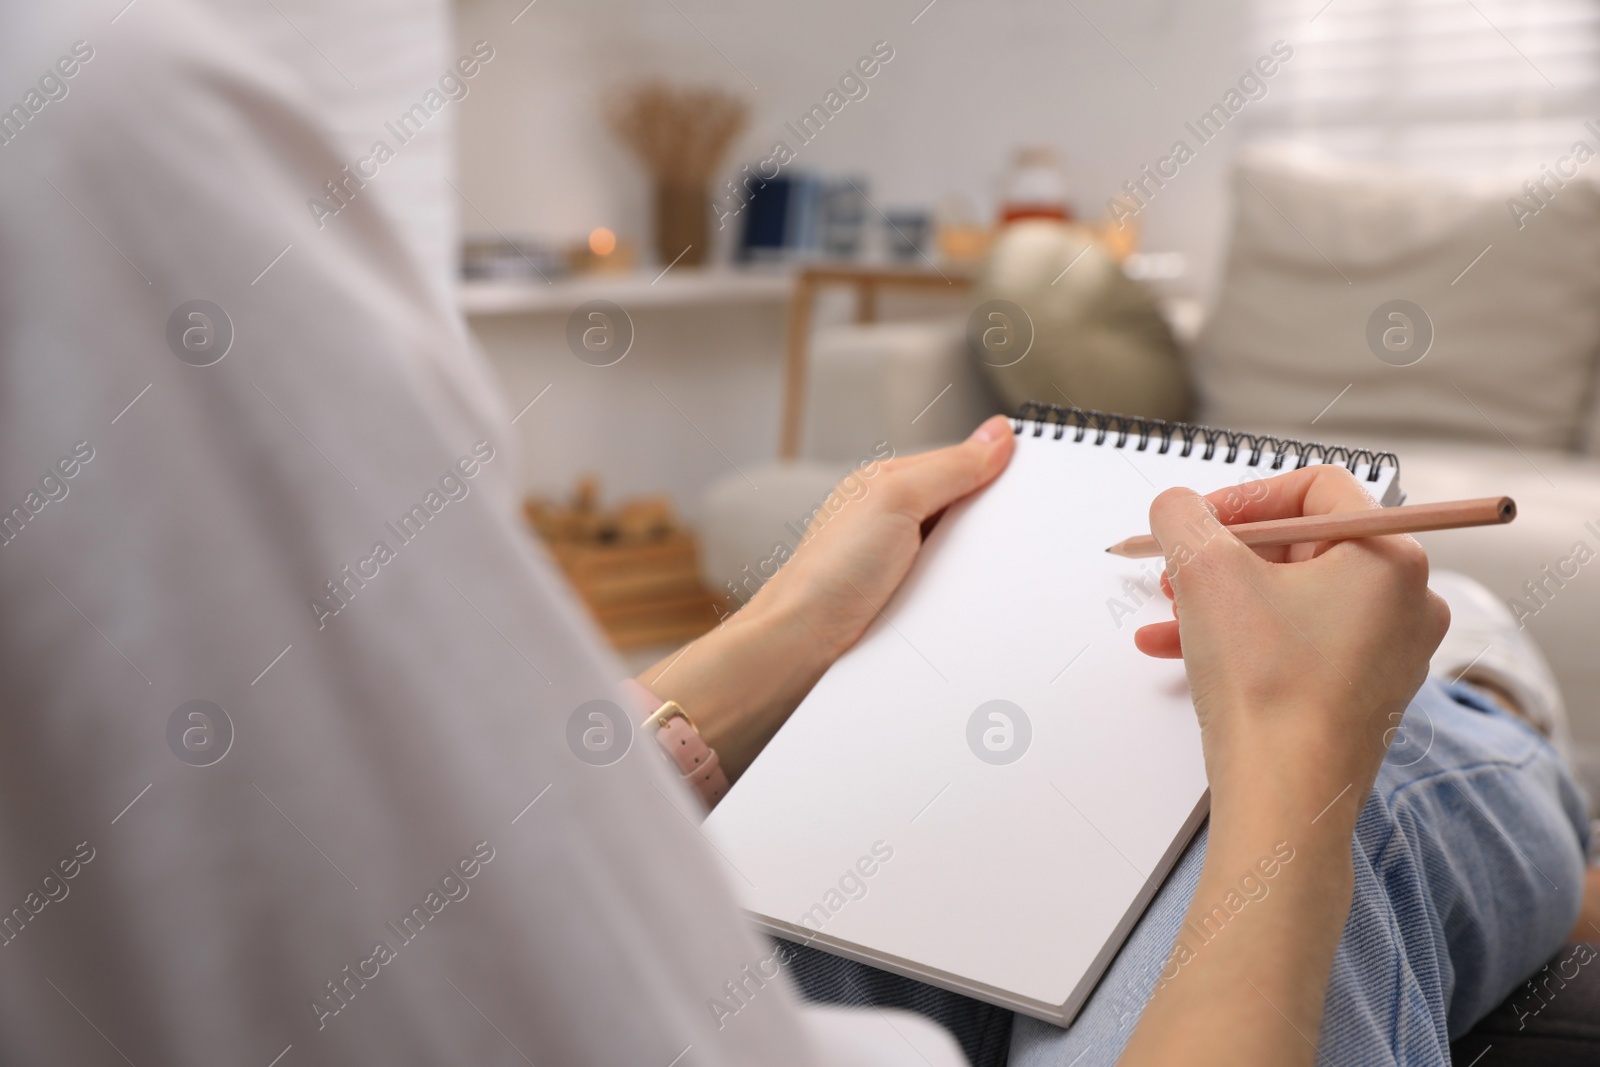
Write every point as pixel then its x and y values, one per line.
pixel 686 750
pixel 695 760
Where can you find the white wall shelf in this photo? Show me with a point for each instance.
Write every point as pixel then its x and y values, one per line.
pixel 677 288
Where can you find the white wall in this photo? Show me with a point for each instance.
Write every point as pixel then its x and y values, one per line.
pixel 697 393
pixel 968 82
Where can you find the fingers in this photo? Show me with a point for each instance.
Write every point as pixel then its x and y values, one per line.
pixel 1315 490
pixel 1192 531
pixel 1159 639
pixel 1186 526
pixel 926 484
pixel 1439 613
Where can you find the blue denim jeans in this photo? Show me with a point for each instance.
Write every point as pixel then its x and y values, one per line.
pixel 1469 866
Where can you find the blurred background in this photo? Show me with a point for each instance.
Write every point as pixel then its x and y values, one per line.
pixel 719 253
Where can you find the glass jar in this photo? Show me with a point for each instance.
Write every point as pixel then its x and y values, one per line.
pixel 1034 187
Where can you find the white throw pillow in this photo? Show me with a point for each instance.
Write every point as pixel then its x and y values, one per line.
pixel 1320 248
pixel 1090 336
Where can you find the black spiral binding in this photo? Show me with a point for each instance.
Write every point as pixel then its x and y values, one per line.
pixel 1190 434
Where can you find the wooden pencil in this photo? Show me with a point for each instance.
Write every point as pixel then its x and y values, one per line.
pixel 1344 525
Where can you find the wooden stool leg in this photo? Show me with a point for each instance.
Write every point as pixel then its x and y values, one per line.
pixel 866 301
pixel 794 385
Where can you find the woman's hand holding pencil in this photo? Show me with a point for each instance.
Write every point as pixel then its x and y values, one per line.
pixel 1342 526
pixel 1301 658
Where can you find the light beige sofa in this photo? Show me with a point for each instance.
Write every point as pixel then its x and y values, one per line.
pixel 1503 401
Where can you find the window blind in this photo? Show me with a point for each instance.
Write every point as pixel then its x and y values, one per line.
pixel 1458 85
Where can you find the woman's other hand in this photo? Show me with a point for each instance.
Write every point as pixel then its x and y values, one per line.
pixel 740 682
pixel 861 543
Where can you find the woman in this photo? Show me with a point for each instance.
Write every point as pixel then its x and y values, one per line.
pixel 1302 661
pixel 309 769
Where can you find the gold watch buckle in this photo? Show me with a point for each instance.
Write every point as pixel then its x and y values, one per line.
pixel 667 711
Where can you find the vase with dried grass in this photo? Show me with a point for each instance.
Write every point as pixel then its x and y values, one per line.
pixel 680 133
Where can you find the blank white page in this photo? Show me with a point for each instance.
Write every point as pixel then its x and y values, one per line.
pixel 1015 883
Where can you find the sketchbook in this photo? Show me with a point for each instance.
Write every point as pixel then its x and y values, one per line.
pixel 987 790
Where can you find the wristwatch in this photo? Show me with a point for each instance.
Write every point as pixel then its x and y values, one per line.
pixel 686 750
